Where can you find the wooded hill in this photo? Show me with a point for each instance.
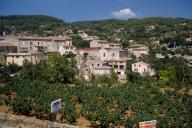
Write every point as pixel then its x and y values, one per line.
pixel 32 25
pixel 141 30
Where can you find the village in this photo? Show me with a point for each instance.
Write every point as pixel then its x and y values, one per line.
pixel 98 59
pixel 95 64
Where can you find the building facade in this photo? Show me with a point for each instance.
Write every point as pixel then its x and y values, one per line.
pixel 143 69
pixel 15 49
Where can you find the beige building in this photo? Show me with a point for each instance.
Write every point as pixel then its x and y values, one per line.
pixel 7 45
pixel 19 58
pixel 160 56
pixel 104 44
pixel 43 44
pixel 99 61
pixel 15 49
pixel 112 53
pixel 138 50
pixel 188 59
pixel 98 43
pixel 119 66
pixel 143 68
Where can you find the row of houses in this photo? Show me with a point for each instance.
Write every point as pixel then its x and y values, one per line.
pixel 15 49
pixel 99 59
pixel 103 56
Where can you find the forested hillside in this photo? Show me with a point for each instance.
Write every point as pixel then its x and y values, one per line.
pixel 141 30
pixel 31 25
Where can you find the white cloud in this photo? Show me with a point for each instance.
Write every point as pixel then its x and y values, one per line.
pixel 124 13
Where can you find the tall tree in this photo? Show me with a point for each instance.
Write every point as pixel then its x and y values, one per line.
pixel 58 69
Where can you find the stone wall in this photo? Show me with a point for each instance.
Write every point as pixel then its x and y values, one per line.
pixel 24 121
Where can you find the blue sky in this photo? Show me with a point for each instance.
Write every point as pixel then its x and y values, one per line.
pixel 75 10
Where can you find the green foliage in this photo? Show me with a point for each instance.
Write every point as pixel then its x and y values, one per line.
pixel 167 75
pixel 27 70
pixel 105 80
pixel 106 105
pixel 79 42
pixel 57 69
pixel 114 77
pixel 32 24
pixel 12 68
pixel 136 29
pixel 22 105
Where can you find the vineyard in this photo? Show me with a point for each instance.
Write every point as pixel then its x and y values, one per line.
pixel 124 105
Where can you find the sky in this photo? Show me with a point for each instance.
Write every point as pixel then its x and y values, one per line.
pixel 80 10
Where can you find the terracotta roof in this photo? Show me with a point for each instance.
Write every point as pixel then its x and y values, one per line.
pixel 49 38
pixel 118 44
pixel 101 41
pixel 117 60
pixel 141 62
pixel 22 54
pixel 137 45
pixel 87 49
pixel 7 45
pixel 140 49
pixel 102 68
pixel 120 49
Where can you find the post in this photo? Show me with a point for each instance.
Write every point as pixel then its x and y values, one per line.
pixel 55 106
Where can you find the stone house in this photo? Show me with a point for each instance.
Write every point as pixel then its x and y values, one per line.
pixel 143 68
pixel 17 48
pixel 138 50
pixel 99 61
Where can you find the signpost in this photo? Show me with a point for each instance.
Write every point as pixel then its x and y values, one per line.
pixel 148 124
pixel 55 106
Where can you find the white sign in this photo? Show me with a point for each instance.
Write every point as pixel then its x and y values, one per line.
pixel 148 124
pixel 55 105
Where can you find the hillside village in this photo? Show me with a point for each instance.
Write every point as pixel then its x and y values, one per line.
pixel 98 59
pixel 109 73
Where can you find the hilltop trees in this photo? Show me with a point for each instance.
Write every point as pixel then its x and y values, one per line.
pixel 55 69
pixel 32 25
pixel 79 42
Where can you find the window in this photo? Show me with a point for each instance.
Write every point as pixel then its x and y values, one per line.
pixel 98 65
pixel 121 67
pixel 139 65
pixel 115 66
pixel 123 54
pixel 113 54
pixel 23 43
pixel 17 56
pixel 103 54
pixel 118 73
pixel 110 65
